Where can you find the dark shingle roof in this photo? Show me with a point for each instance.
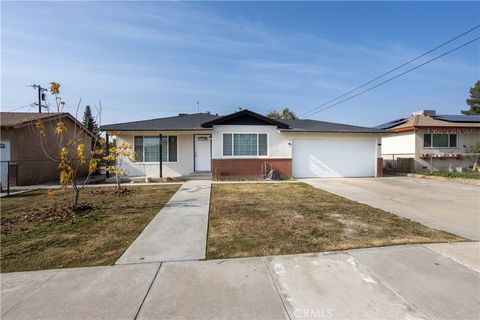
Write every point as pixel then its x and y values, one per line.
pixel 176 123
pixel 204 121
pixel 12 119
pixel 306 125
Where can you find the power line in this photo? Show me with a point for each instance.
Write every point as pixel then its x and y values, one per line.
pixel 397 76
pixel 394 69
pixel 19 108
pixel 103 108
pixel 135 110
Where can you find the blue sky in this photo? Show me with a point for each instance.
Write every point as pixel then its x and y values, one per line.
pixel 154 59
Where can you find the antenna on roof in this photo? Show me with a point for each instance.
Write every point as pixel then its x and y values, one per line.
pixel 197 106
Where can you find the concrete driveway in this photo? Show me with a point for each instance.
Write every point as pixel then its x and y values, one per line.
pixel 448 206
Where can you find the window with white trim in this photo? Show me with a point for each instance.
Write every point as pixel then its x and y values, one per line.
pixel 440 140
pixel 147 148
pixel 245 144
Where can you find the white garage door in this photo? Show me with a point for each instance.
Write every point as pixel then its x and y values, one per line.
pixel 334 158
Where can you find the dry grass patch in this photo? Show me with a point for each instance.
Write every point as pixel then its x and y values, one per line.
pixel 36 234
pixel 286 218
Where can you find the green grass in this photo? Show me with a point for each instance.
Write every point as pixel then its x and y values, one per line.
pixel 34 238
pixel 287 218
pixel 453 175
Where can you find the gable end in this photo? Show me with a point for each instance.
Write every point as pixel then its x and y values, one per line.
pixel 245 117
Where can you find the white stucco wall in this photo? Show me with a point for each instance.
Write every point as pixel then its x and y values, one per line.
pixel 277 143
pixel 183 166
pixel 279 146
pixel 400 144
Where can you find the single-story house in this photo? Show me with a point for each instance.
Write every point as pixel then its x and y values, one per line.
pixel 247 144
pixel 20 145
pixel 431 139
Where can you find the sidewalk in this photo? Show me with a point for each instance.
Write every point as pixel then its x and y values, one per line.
pixel 178 231
pixel 399 282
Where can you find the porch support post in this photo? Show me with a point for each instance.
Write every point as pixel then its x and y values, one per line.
pixel 160 160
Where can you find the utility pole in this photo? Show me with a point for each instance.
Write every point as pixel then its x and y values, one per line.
pixel 41 96
pixel 197 106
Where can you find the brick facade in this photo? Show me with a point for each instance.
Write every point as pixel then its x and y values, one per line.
pixel 225 169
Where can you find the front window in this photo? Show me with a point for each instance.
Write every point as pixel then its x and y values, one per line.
pixel 245 144
pixel 440 140
pixel 147 148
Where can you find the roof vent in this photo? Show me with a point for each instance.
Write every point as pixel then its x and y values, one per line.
pixel 425 113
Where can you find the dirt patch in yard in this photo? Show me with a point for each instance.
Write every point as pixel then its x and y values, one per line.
pixel 39 231
pixel 286 218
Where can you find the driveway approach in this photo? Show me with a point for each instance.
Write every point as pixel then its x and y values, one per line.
pixel 404 282
pixel 448 206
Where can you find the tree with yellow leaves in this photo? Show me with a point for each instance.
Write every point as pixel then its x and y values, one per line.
pixel 117 154
pixel 72 153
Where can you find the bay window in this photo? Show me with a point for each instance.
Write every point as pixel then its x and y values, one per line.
pixel 147 148
pixel 245 144
pixel 440 140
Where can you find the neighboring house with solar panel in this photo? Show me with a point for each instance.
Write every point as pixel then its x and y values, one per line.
pixel 431 138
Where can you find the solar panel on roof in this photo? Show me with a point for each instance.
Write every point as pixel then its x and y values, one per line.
pixel 391 124
pixel 458 118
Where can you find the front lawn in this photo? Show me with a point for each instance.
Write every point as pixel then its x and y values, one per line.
pixel 286 218
pixel 453 175
pixel 35 235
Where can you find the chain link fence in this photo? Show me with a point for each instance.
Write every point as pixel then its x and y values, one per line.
pixel 33 172
pixel 5 177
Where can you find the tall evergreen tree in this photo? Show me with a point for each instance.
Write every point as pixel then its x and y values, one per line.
pixel 89 121
pixel 474 100
pixel 284 114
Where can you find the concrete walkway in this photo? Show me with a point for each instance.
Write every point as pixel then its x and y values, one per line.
pixel 449 206
pixel 178 231
pixel 400 282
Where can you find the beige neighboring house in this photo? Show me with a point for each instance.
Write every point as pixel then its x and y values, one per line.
pixel 20 144
pixel 432 140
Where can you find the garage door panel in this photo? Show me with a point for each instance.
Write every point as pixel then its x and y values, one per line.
pixel 333 158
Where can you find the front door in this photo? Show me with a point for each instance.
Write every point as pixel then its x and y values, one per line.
pixel 202 153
